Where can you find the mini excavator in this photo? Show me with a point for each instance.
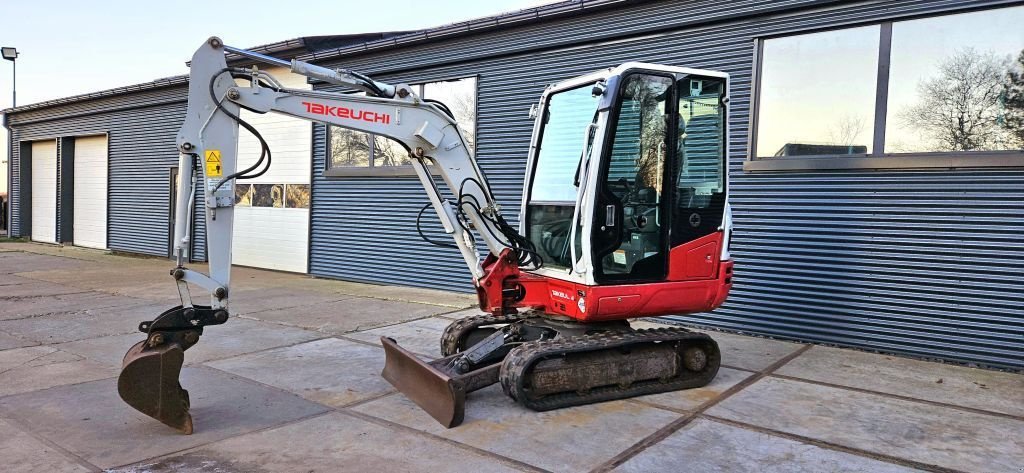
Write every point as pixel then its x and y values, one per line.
pixel 624 214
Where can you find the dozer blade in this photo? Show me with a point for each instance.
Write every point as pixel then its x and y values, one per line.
pixel 442 396
pixel 149 383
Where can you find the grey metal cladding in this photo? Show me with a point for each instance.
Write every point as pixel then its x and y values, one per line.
pixel 923 263
pixel 141 130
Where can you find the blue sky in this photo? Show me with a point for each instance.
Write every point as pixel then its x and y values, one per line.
pixel 72 47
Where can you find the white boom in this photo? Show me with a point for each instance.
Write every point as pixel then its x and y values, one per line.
pixel 210 133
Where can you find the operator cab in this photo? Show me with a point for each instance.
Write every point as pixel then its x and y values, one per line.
pixel 627 166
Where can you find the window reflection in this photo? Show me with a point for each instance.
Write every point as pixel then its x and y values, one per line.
pixel 817 93
pixel 955 83
pixel 356 149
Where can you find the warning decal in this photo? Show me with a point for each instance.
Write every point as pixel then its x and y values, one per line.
pixel 213 163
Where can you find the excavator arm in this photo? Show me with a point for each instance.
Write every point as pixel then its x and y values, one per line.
pixel 208 140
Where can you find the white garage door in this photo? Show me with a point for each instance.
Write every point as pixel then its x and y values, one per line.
pixel 44 191
pixel 272 214
pixel 91 192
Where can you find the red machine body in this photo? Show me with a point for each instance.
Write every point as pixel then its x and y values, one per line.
pixel 697 281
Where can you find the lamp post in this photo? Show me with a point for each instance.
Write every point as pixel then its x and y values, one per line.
pixel 11 54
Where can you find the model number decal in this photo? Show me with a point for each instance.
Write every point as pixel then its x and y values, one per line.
pixel 562 295
pixel 345 112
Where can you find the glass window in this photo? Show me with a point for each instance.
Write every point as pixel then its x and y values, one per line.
pixel 633 186
pixel 818 93
pixel 566 118
pixel 357 149
pixel 297 196
pixel 243 195
pixel 460 97
pixel 268 195
pixel 349 148
pixel 955 83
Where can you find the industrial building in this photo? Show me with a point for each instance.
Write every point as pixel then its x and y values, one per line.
pixel 863 217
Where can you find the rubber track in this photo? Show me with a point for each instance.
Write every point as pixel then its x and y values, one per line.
pixel 457 330
pixel 524 357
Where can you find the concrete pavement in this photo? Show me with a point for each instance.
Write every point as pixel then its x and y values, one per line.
pixel 292 384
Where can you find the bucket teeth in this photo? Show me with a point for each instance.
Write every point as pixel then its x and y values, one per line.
pixel 149 383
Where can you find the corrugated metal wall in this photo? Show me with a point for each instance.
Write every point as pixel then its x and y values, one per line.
pixel 142 129
pixel 926 263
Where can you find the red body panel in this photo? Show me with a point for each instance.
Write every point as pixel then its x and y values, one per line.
pixel 697 281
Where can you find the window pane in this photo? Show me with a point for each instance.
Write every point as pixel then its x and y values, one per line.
pixel 268 195
pixel 387 152
pixel 460 97
pixel 818 93
pixel 297 196
pixel 243 195
pixel 349 148
pixel 955 83
pixel 561 146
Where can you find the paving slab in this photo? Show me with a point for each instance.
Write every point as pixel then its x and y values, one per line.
pixel 709 446
pixel 237 337
pixel 959 385
pixel 751 353
pixel 89 323
pixel 925 433
pixel 253 301
pixel 572 439
pixel 422 337
pixel 31 368
pixel 90 420
pixel 7 341
pixel 34 288
pixel 691 399
pixel 20 262
pixel 350 315
pixel 332 442
pixel 18 308
pixel 11 279
pixel 22 453
pixel 329 371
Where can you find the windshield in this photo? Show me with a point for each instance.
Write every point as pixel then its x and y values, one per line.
pixel 566 117
pixel 565 137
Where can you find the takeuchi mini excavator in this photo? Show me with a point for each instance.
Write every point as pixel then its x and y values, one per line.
pixel 624 214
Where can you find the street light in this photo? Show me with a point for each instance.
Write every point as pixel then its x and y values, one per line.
pixel 11 54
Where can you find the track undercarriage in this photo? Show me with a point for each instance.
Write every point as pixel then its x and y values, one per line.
pixel 547 363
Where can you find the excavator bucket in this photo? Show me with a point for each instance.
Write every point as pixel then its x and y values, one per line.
pixel 149 383
pixel 150 370
pixel 440 395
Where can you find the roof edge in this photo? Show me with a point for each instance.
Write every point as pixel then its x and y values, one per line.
pixel 156 84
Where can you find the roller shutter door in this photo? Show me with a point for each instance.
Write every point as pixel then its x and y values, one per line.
pixel 91 192
pixel 44 191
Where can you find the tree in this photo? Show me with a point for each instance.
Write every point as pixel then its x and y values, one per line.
pixel 961 107
pixel 847 130
pixel 1014 100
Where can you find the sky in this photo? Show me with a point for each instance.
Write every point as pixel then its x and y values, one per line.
pixel 70 47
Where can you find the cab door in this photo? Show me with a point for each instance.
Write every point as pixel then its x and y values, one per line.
pixel 660 195
pixel 630 229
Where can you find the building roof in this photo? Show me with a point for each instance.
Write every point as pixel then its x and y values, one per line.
pixel 289 48
pixel 316 48
pixel 474 26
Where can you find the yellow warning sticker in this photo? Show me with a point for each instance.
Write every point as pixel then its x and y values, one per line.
pixel 213 163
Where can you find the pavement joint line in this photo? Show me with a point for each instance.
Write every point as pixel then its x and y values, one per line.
pixel 676 425
pixel 375 344
pixel 261 350
pixel 49 443
pixel 973 410
pixel 831 446
pixel 4 396
pixel 200 447
pixel 737 368
pixel 368 400
pixel 40 296
pixel 519 465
